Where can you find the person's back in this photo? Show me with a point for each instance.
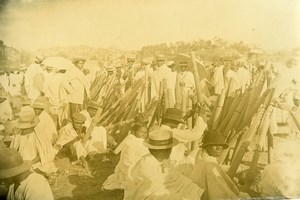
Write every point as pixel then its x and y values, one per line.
pixel 28 190
pixel 23 183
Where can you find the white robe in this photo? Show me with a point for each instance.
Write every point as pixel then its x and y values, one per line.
pixel 34 187
pixel 35 145
pixel 46 126
pixel 76 84
pixel 4 81
pixel 132 151
pixel 97 141
pixel 218 79
pixel 151 179
pixel 5 111
pixel 162 72
pixel 235 82
pixel 244 78
pixel 33 76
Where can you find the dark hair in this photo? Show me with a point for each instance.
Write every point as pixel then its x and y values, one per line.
pixel 137 126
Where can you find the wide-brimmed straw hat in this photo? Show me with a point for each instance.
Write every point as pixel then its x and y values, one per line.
pixel 160 139
pixel 12 164
pixel 27 119
pixel 213 138
pixel 173 114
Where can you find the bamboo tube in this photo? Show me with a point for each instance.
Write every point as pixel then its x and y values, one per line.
pixel 263 130
pixel 201 97
pixel 160 106
pixel 178 95
pixel 130 115
pixel 248 137
pixel 255 93
pixel 146 99
pixel 218 109
pixel 267 96
pixel 233 103
pixel 166 99
pixel 170 98
pixel 184 104
pixel 236 114
pixel 270 147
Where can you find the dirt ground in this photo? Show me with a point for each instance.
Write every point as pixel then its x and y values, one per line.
pixel 72 182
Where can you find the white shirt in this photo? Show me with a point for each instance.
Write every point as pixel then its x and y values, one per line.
pixel 34 187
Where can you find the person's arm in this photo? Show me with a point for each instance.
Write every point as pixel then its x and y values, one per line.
pixel 191 135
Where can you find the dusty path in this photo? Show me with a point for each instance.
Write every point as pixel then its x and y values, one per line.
pixel 72 182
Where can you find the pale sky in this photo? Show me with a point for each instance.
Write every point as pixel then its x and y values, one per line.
pixel 130 24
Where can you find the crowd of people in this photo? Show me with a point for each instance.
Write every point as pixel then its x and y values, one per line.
pixel 56 112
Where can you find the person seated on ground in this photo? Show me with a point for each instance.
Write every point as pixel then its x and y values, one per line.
pixel 87 144
pixel 132 151
pixel 208 174
pixel 153 177
pixel 5 109
pixel 33 145
pixel 21 181
pixel 46 124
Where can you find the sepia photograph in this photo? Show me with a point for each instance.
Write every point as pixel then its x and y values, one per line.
pixel 149 99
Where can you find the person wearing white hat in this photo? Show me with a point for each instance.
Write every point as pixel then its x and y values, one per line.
pixel 31 144
pixel 153 177
pixel 22 182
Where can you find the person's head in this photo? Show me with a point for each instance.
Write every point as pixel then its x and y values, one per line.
pixel 183 66
pixel 39 59
pixel 172 118
pixel 27 121
pixel 79 62
pixel 12 165
pixel 78 120
pixel 160 60
pixel 171 65
pixel 92 108
pixel 39 105
pixel 139 130
pixel 130 62
pixel 160 143
pixel 213 142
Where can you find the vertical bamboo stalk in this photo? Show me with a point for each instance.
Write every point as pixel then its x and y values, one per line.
pixel 167 103
pixel 178 95
pixel 170 98
pixel 146 86
pixel 184 104
pixel 201 97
